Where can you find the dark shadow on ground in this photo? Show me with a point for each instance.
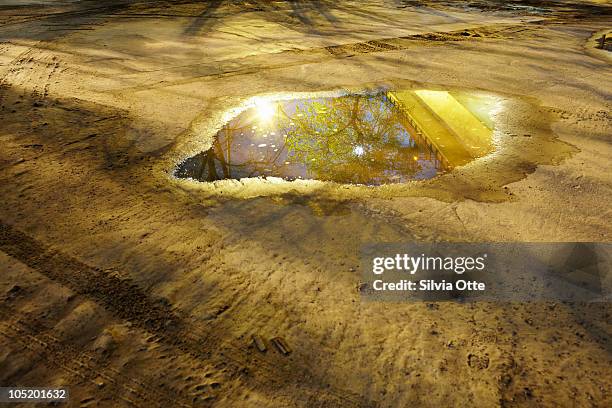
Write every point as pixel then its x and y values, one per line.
pixel 51 22
pixel 566 8
pixel 68 129
pixel 204 20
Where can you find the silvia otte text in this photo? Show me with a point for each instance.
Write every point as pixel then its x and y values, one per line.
pixel 428 285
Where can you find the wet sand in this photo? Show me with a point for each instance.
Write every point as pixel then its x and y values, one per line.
pixel 134 288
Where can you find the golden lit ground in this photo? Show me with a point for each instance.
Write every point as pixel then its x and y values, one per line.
pixel 132 288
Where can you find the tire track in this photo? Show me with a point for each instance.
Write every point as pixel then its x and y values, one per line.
pixel 12 69
pixel 126 301
pixel 32 336
pixel 225 69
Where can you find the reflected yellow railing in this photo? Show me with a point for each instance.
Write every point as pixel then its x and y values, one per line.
pixel 441 121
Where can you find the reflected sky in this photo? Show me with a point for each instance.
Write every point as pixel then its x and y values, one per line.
pixel 371 139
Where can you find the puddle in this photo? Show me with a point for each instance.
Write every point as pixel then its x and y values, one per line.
pixel 370 139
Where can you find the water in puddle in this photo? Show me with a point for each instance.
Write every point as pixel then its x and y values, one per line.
pixel 372 139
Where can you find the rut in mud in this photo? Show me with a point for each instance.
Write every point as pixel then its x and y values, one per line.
pixel 157 316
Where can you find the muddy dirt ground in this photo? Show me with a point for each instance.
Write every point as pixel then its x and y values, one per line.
pixel 133 288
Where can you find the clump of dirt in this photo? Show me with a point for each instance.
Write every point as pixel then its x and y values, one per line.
pixel 605 42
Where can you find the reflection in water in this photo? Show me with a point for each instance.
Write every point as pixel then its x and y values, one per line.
pixel 389 137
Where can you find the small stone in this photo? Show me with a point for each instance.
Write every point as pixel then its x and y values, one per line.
pixel 259 343
pixel 281 345
pixel 506 379
pixel 14 292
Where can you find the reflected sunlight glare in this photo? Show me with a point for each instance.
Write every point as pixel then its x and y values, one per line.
pixel 265 110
